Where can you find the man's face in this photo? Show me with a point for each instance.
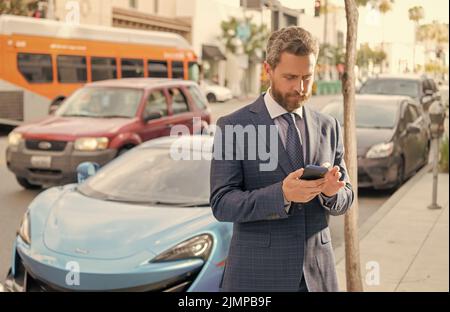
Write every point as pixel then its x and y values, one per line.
pixel 292 80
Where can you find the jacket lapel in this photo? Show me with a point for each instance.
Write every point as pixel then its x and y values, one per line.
pixel 313 135
pixel 261 117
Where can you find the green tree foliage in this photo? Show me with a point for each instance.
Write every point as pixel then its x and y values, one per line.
pixel 253 46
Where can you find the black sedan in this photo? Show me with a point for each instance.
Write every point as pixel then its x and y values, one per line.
pixel 392 137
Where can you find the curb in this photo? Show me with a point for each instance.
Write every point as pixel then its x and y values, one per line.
pixel 373 220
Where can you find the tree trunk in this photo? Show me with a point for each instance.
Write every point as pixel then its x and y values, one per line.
pixel 352 261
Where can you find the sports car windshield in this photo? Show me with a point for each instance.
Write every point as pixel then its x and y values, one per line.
pixel 151 176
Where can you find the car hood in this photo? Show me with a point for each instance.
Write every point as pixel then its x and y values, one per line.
pixel 81 226
pixel 367 138
pixel 67 128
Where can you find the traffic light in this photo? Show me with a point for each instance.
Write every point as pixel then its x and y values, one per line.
pixel 317 8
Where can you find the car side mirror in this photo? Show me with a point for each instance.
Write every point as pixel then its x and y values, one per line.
pixel 412 129
pixel 86 170
pixel 429 92
pixel 152 115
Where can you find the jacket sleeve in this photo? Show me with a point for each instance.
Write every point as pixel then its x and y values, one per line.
pixel 229 200
pixel 343 200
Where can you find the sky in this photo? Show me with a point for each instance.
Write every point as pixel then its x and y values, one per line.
pixel 434 9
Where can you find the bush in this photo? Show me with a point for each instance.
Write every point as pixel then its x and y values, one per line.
pixel 443 157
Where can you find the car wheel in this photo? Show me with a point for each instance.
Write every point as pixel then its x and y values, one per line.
pixel 27 185
pixel 211 98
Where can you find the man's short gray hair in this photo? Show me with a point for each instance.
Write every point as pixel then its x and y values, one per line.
pixel 294 40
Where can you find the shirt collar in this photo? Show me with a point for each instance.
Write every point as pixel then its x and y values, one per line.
pixel 275 109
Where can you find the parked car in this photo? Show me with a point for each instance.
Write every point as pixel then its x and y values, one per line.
pixel 138 224
pixel 393 138
pixel 99 122
pixel 214 92
pixel 419 87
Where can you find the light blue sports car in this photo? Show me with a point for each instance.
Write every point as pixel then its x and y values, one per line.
pixel 141 223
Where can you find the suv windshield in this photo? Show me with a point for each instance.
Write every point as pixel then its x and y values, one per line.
pixel 152 176
pixel 102 103
pixel 391 87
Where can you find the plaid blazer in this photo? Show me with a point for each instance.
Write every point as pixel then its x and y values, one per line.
pixel 271 249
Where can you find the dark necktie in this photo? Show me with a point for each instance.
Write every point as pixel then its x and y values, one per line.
pixel 293 145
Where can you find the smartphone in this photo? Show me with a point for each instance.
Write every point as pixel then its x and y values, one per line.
pixel 313 172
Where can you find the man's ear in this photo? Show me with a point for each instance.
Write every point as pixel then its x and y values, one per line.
pixel 268 70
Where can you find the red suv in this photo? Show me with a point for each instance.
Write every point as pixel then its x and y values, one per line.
pixel 99 122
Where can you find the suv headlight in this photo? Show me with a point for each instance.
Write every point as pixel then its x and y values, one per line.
pixel 380 150
pixel 14 138
pixel 91 144
pixel 196 247
pixel 25 229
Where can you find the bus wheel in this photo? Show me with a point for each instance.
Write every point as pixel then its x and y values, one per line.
pixel 55 105
pixel 27 185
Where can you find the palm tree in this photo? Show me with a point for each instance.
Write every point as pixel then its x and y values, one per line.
pixel 415 14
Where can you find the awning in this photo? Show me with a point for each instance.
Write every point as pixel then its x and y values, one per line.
pixel 212 52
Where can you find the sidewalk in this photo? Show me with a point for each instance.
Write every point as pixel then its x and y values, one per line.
pixel 408 241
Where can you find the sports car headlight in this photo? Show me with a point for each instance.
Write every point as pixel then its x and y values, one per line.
pixel 196 247
pixel 91 144
pixel 14 138
pixel 380 150
pixel 25 229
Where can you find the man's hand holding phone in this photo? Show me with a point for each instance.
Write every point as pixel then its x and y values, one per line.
pixel 333 183
pixel 316 180
pixel 301 191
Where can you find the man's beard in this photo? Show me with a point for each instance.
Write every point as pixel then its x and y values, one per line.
pixel 289 101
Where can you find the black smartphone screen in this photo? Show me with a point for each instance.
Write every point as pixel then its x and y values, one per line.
pixel 313 172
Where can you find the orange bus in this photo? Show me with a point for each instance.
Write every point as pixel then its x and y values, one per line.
pixel 43 61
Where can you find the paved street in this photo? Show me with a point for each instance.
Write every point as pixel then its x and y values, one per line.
pixel 14 199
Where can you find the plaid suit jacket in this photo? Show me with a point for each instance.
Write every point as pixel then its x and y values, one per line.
pixel 271 249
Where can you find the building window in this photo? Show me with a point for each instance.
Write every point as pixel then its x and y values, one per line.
pixel 71 69
pixel 177 70
pixel 35 68
pixel 133 4
pixel 157 69
pixel 103 68
pixel 132 68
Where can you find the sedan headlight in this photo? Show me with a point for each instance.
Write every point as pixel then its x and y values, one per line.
pixel 14 138
pixel 380 150
pixel 196 247
pixel 91 144
pixel 25 229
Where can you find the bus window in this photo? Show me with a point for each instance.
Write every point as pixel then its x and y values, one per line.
pixel 35 68
pixel 132 68
pixel 103 68
pixel 177 70
pixel 194 72
pixel 71 69
pixel 157 69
